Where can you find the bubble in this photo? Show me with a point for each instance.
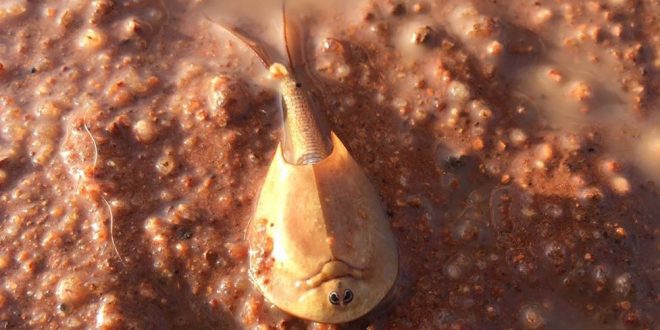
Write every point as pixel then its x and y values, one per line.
pixel 623 284
pixel 600 275
pixel 590 195
pixel 620 185
pixel 467 230
pixel 71 290
pixel 458 92
pixel 555 252
pixel 92 39
pixel 227 96
pixel 468 227
pixel 531 317
pixel 456 267
pixel 545 151
pixel 145 131
pixel 526 270
pixel 453 271
pixel 541 16
pixel 166 164
pixel 518 137
pixel 552 210
pixel 108 315
pixel 476 197
pixel 491 312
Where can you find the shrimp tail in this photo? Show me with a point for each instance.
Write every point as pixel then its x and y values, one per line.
pixel 259 51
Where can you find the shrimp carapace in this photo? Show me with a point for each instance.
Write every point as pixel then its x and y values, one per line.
pixel 321 247
pixel 320 243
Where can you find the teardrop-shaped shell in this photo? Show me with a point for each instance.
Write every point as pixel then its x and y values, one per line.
pixel 320 229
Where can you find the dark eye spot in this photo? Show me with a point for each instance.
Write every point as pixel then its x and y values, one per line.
pixel 298 85
pixel 334 298
pixel 348 296
pixel 62 307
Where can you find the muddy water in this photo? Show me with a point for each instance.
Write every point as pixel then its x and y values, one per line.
pixel 516 146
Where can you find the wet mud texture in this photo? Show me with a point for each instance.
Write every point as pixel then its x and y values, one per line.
pixel 516 202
